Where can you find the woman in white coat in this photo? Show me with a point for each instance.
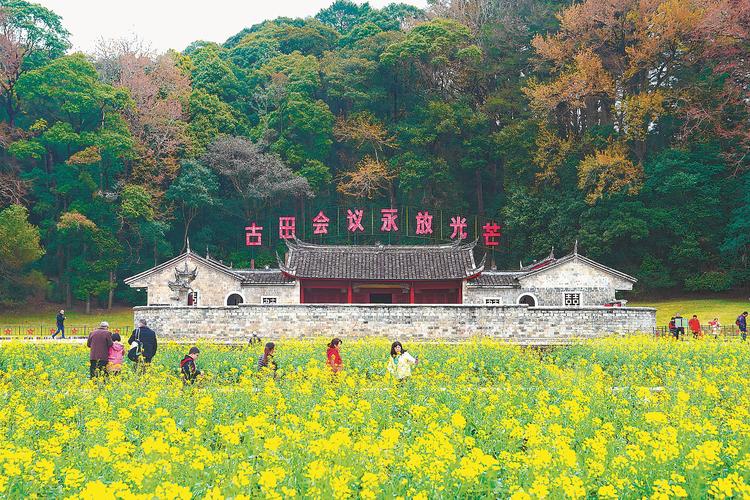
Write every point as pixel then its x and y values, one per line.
pixel 400 362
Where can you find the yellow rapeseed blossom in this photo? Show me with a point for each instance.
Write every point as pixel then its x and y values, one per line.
pixel 622 417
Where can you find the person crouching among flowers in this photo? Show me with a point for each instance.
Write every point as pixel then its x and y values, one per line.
pixel 188 368
pixel 266 361
pixel 400 362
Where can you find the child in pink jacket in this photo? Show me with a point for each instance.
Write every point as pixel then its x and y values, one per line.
pixel 116 352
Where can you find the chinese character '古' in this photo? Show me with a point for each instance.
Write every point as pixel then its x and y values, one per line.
pixel 389 216
pixel 458 224
pixel 354 220
pixel 286 227
pixel 424 223
pixel 320 223
pixel 253 235
pixel 491 234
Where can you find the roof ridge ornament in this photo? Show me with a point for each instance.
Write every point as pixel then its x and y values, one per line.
pixel 575 247
pixel 187 242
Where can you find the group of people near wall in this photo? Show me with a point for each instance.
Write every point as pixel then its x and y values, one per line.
pixel 677 326
pixel 107 355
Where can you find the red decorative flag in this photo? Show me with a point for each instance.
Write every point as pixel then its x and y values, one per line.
pixel 355 220
pixel 458 224
pixel 253 235
pixel 491 234
pixel 287 227
pixel 389 216
pixel 320 223
pixel 424 223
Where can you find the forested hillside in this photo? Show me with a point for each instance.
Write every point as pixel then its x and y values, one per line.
pixel 624 124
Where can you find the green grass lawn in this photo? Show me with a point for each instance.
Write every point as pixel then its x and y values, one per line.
pixel 726 309
pixel 41 318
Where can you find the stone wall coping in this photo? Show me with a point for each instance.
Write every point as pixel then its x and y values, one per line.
pixel 401 306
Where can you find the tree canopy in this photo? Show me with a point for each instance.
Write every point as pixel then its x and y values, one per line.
pixel 622 124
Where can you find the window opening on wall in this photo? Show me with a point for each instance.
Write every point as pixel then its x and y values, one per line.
pixel 235 299
pixel 529 300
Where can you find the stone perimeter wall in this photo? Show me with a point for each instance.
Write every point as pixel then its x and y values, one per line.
pixel 411 322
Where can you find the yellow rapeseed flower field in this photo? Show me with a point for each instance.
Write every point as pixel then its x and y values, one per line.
pixel 616 418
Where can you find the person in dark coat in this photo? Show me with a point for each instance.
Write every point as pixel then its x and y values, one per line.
pixel 188 368
pixel 147 338
pixel 266 360
pixel 741 323
pixel 99 342
pixel 60 320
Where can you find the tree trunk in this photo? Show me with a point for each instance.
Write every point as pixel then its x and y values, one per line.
pixel 480 198
pixel 88 303
pixel 68 290
pixel 111 290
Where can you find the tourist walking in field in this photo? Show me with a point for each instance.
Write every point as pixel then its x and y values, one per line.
pixel 188 368
pixel 142 344
pixel 695 326
pixel 266 360
pixel 116 353
pixel 715 327
pixel 60 320
pixel 99 342
pixel 333 355
pixel 400 362
pixel 741 323
pixel 673 328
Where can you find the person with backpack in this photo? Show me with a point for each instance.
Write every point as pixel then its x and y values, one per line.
pixel 673 328
pixel 142 344
pixel 741 323
pixel 188 368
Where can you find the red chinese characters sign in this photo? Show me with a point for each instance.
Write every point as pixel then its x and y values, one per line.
pixel 287 227
pixel 409 223
pixel 254 235
pixel 320 223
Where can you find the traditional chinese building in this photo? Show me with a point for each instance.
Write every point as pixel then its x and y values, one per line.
pixel 382 274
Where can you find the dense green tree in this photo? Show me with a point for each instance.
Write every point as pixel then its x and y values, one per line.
pixel 194 190
pixel 20 246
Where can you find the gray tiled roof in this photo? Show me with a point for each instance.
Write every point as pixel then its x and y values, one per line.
pixel 263 277
pixel 381 262
pixel 495 278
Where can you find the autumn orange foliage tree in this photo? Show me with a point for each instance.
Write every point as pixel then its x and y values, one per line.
pixel 620 65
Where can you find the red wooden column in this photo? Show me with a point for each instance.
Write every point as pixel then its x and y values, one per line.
pixel 301 293
pixel 461 292
pixel 411 293
pixel 349 293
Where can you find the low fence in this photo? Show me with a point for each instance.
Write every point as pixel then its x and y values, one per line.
pixel 43 330
pixel 727 331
